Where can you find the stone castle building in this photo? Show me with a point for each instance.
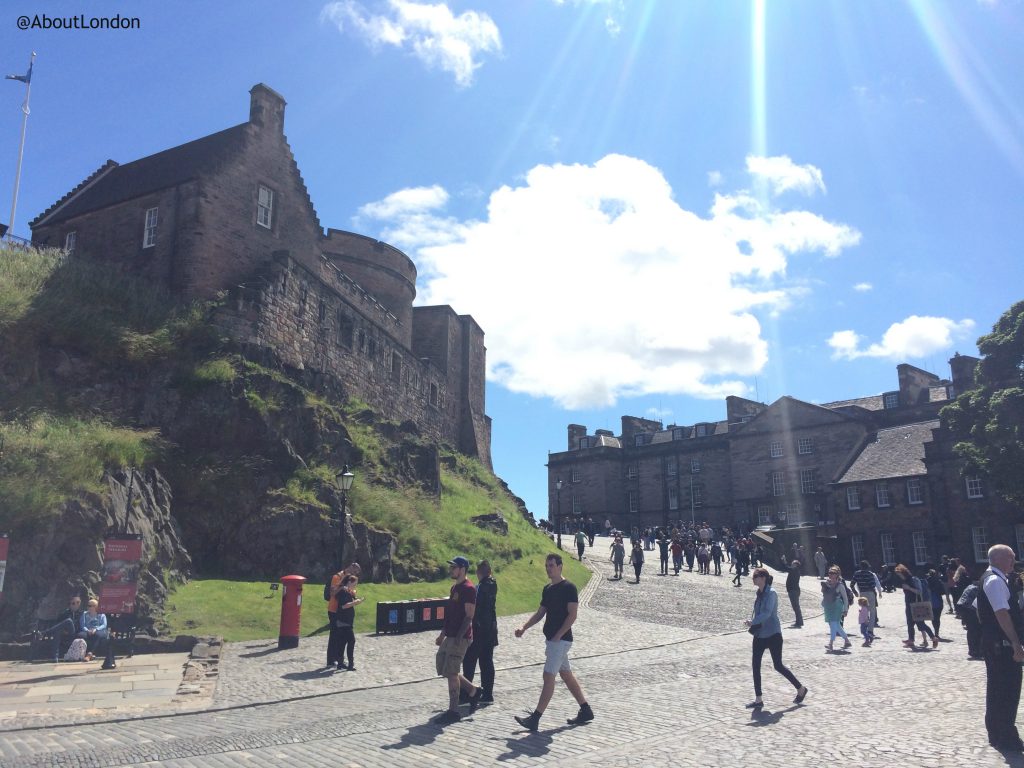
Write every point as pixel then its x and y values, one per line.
pixel 875 477
pixel 230 213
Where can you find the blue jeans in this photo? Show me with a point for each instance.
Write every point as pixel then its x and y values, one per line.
pixel 67 626
pixel 836 628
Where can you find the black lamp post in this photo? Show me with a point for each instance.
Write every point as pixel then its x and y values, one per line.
pixel 345 480
pixel 558 510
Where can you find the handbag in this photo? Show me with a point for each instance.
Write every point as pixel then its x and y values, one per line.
pixel 753 628
pixel 921 610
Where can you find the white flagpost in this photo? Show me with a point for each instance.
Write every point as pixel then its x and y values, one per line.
pixel 27 80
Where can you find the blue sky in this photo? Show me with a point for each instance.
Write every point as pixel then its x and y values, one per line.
pixel 647 204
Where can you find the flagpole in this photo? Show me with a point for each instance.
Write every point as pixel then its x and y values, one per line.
pixel 21 148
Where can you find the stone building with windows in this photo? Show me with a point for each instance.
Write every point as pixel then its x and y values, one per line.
pixel 229 214
pixel 873 477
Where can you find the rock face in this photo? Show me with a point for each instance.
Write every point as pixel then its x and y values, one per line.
pixel 65 556
pixel 494 522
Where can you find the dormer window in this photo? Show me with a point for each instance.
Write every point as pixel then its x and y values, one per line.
pixel 265 207
pixel 891 400
pixel 149 231
pixel 702 430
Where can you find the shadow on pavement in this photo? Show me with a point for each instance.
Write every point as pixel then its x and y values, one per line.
pixel 532 744
pixel 312 674
pixel 761 718
pixel 418 736
pixel 259 654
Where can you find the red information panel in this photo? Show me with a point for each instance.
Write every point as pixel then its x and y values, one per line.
pixel 4 543
pixel 121 556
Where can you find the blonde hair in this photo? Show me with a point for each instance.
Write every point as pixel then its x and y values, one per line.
pixel 862 601
pixel 93 602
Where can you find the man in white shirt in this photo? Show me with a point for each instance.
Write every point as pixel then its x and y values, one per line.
pixel 999 612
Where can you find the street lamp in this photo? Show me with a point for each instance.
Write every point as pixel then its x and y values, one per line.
pixel 345 479
pixel 558 511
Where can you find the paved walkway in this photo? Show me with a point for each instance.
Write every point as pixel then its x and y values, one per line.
pixel 667 690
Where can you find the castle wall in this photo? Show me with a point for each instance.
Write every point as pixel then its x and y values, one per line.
pixel 321 320
pixel 381 269
pixel 114 234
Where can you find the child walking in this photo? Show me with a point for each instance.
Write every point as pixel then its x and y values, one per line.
pixel 864 617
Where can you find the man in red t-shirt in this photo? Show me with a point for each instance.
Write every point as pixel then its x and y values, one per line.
pixel 455 638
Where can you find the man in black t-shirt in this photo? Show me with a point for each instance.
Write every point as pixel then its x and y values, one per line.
pixel 558 605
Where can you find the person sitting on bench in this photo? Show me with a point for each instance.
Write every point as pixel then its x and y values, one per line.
pixel 96 634
pixel 69 624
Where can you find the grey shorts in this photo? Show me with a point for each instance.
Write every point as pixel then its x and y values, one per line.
pixel 556 656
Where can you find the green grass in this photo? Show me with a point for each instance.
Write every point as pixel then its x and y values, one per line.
pixel 248 610
pixel 85 305
pixel 50 458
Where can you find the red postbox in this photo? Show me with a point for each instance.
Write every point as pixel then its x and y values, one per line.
pixel 291 612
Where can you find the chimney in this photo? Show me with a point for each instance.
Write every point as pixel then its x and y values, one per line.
pixel 962 368
pixel 576 431
pixel 266 109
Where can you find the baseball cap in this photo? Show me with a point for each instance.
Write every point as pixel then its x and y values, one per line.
pixel 459 562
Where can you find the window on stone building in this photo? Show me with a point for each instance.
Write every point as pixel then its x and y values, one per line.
pixel 149 231
pixel 702 430
pixel 584 443
pixel 778 484
pixel 642 439
pixel 852 498
pixel 764 514
pixel 371 348
pixel 915 491
pixel 808 481
pixel 694 466
pixel 974 488
pixel 361 340
pixel 671 466
pixel 632 471
pixel 396 367
pixel 888 549
pixel 433 394
pixel 673 498
pixel 265 207
pixel 857 548
pixel 344 330
pixel 891 400
pixel 283 287
pixel 70 240
pixel 775 449
pixel 577 507
pixel 321 312
pixel 678 433
pixel 881 495
pixel 575 474
pixel 697 494
pixel 300 310
pixel 805 446
pixel 979 537
pixel 793 513
pixel 920 548
pixel 634 502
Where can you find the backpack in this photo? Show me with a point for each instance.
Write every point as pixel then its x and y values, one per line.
pixel 76 651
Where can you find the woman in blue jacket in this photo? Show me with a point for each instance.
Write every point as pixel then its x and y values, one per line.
pixel 767 632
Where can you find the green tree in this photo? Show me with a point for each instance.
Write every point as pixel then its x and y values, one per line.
pixel 988 421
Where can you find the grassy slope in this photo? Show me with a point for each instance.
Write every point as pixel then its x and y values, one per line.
pixel 76 305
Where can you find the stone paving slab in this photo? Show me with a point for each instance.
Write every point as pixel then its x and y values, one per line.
pixel 677 701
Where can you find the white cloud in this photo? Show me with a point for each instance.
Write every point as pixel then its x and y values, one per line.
pixel 592 283
pixel 914 337
pixel 783 175
pixel 660 414
pixel 863 287
pixel 431 32
pixel 406 202
pixel 715 178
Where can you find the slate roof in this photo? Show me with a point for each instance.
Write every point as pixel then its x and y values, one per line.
pixel 113 183
pixel 895 452
pixel 870 403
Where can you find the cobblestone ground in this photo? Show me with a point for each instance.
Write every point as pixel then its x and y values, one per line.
pixel 665 664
